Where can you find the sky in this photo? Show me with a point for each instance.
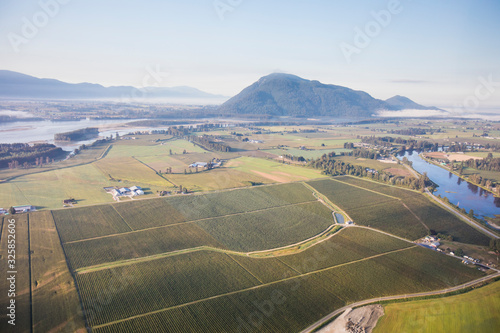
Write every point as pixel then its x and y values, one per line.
pixel 443 53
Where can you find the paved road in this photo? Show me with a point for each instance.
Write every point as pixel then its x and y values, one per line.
pixel 468 220
pixel 387 298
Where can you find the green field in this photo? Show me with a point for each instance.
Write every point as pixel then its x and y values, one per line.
pixel 433 216
pixel 51 302
pixel 157 284
pixel 55 299
pixel 137 244
pixel 272 228
pixel 307 154
pixel 284 301
pixel 475 311
pixel 19 242
pixel 176 209
pixel 348 245
pixel 273 171
pixel 87 222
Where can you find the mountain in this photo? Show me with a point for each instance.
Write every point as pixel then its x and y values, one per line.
pixel 17 85
pixel 403 103
pixel 289 95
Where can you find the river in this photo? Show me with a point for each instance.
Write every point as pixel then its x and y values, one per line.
pixel 43 131
pixel 458 191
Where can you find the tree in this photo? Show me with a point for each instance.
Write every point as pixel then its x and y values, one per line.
pixel 471 213
pixel 459 252
pixel 12 210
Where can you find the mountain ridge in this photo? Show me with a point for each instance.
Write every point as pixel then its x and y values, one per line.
pixel 280 94
pixel 19 85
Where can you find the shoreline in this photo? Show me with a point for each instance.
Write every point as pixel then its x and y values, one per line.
pixel 430 160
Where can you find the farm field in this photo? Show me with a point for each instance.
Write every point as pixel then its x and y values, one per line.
pixel 280 215
pixel 307 154
pixel 87 222
pixel 434 217
pixel 84 183
pixel 22 288
pixel 164 211
pixel 55 299
pixel 129 170
pixel 230 308
pixel 410 217
pixel 474 311
pixel 126 148
pixel 273 228
pixel 273 171
pixel 216 179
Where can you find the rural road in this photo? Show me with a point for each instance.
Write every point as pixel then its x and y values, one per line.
pixel 388 298
pixel 467 220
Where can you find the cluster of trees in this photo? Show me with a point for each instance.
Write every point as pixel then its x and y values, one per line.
pixel 409 144
pixel 495 245
pixel 294 158
pixel 207 142
pixel 489 163
pixel 23 155
pixel 77 135
pixel 414 131
pixel 330 166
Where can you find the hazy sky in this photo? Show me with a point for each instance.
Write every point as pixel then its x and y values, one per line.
pixel 434 52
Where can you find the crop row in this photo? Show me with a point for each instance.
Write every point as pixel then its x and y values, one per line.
pixel 347 196
pixel 276 227
pixel 392 217
pixel 86 222
pixel 152 213
pixel 15 237
pixel 137 244
pixel 121 292
pixel 442 221
pixel 124 291
pixel 346 246
pixel 293 304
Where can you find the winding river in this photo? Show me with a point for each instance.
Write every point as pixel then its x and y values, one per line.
pixel 458 191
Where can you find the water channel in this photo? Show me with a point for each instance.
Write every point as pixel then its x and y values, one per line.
pixel 458 191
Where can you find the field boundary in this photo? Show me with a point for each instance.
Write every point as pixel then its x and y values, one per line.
pixel 328 318
pixel 30 273
pixel 461 217
pixel 187 222
pixel 330 231
pixel 366 189
pixel 247 289
pixel 327 202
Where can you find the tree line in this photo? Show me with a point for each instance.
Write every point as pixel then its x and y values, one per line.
pixel 332 167
pixel 17 155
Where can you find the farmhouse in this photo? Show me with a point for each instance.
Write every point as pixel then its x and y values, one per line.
pixel 125 191
pixel 24 209
pixel 198 164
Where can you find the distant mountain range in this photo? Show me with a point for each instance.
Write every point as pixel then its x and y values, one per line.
pixel 17 85
pixel 289 95
pixel 275 94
